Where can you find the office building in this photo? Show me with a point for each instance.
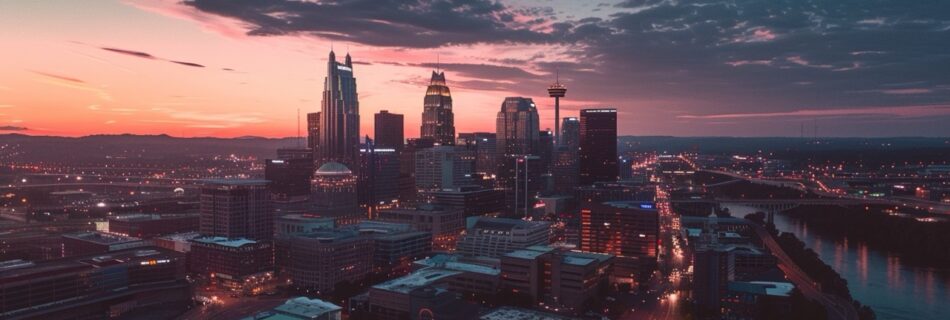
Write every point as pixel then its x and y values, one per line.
pixel 494 237
pixel 485 148
pixel 301 308
pixel 95 242
pixel 229 262
pixel 506 313
pixel 627 230
pixel 614 191
pixel 388 130
pixel 319 260
pixel 378 181
pixel 334 191
pixel 438 121
pixel 294 153
pixel 415 296
pixel 597 158
pixel 557 278
pixel 571 133
pixel 444 223
pixel 339 114
pixel 289 178
pixel 236 209
pixel 313 131
pixel 442 167
pixel 473 200
pixel 478 277
pixel 395 245
pixel 125 284
pixel 546 149
pixel 517 127
pixel 522 179
pixel 141 225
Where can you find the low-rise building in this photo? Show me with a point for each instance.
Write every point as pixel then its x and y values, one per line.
pixel 565 281
pixel 444 223
pixel 231 261
pixel 152 225
pixel 301 308
pixel 494 237
pixel 95 242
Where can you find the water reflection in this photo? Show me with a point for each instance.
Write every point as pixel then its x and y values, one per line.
pixel 879 279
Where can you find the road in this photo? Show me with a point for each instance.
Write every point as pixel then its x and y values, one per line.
pixel 228 307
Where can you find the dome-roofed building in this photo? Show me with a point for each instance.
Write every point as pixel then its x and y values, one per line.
pixel 333 190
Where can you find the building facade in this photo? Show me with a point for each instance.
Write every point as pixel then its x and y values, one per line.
pixel 597 158
pixel 438 121
pixel 339 114
pixel 388 130
pixel 494 237
pixel 236 209
pixel 627 230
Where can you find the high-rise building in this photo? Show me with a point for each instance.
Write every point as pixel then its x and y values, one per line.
pixel 473 200
pixel 378 182
pixel 339 114
pixel 517 127
pixel 597 158
pixel 442 167
pixel 484 145
pixel 571 133
pixel 237 209
pixel 521 178
pixel 438 122
pixel 388 130
pixel 628 230
pixel 313 130
pixel 289 179
pixel 545 149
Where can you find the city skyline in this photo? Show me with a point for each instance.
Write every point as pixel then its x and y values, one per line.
pixel 209 68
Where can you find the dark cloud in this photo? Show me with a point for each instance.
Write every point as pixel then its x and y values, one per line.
pixel 145 55
pixel 13 128
pixel 60 77
pixel 185 63
pixel 667 57
pixel 390 23
pixel 138 54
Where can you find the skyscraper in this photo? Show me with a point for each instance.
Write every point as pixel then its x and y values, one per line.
pixel 388 130
pixel 313 131
pixel 438 122
pixel 626 229
pixel 484 146
pixel 518 144
pixel 517 127
pixel 339 114
pixel 378 182
pixel 236 209
pixel 598 146
pixel 570 133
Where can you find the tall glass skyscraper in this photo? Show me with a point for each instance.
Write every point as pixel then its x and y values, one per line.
pixel 339 115
pixel 517 127
pixel 438 121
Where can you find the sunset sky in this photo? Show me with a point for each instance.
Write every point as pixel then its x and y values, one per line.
pixel 232 68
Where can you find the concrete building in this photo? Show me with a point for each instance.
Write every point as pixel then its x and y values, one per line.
pixel 94 242
pixel 230 262
pixel 627 230
pixel 494 237
pixel 478 277
pixel 597 155
pixel 151 225
pixel 236 209
pixel 442 167
pixel 319 260
pixel 473 200
pixel 289 178
pixel 128 284
pixel 415 296
pixel 564 280
pixel 444 223
pixel 301 308
pixel 508 313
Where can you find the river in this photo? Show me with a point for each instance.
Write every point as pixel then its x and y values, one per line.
pixel 879 279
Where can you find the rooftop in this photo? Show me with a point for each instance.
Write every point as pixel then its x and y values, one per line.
pixel 148 217
pixel 101 237
pixel 513 313
pixel 237 182
pixel 222 241
pixel 184 236
pixel 333 168
pixel 641 205
pixel 454 262
pixel 418 279
pixel 307 308
pixel 503 224
pixel 530 252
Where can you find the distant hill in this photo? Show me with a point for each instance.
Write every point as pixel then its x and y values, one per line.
pixel 53 149
pixel 774 144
